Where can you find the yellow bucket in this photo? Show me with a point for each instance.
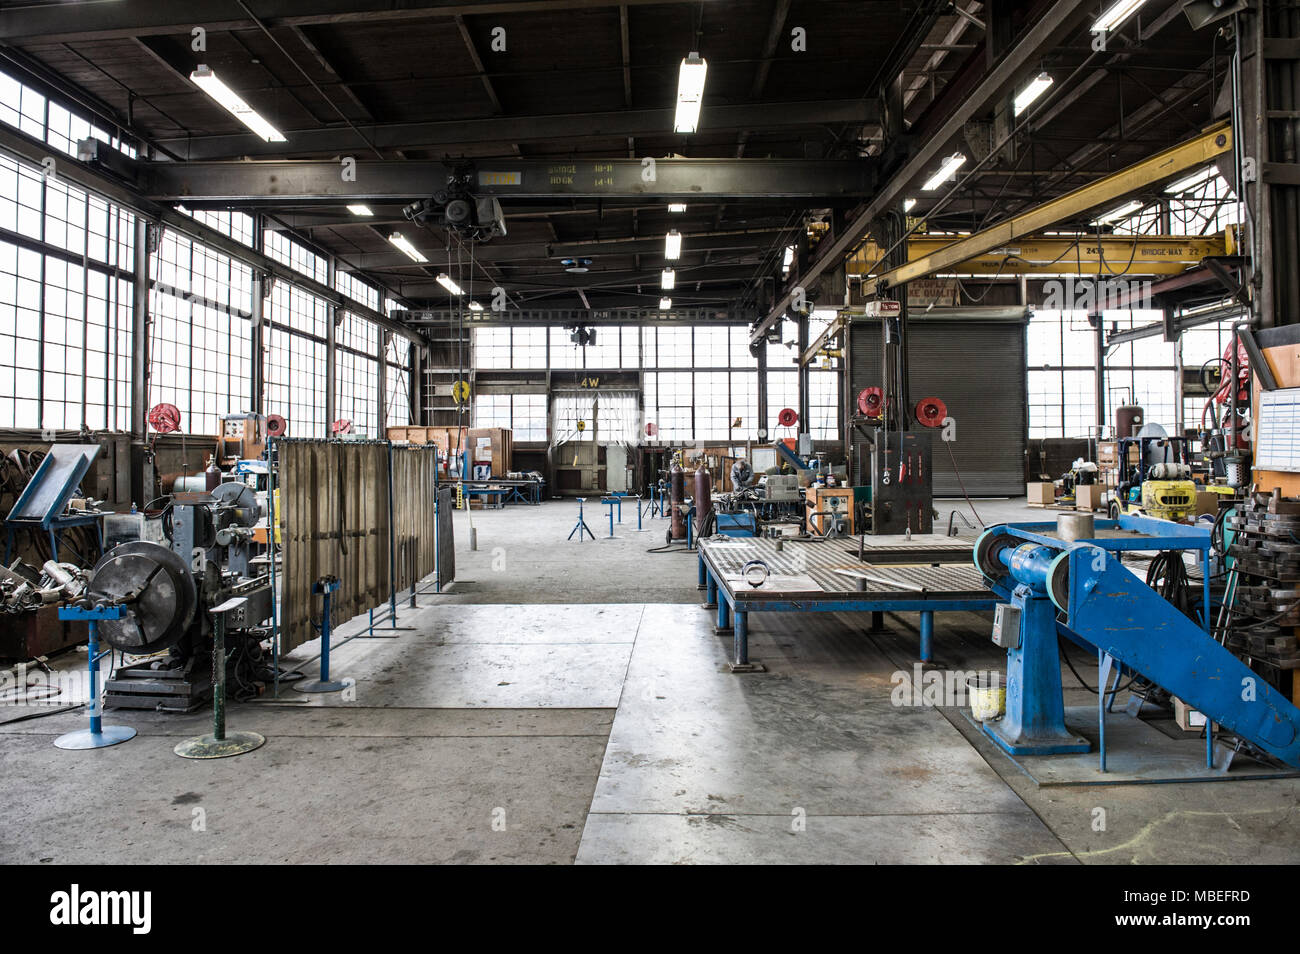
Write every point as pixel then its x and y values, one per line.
pixel 988 696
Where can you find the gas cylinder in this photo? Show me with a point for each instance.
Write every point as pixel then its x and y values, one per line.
pixel 1128 420
pixel 703 498
pixel 212 476
pixel 677 497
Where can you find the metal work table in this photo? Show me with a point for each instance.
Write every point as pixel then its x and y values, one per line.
pixel 525 491
pixel 819 577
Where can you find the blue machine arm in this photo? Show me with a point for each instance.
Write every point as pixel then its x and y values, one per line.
pixel 790 456
pixel 1111 608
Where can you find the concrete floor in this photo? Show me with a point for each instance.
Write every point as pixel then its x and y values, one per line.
pixel 569 702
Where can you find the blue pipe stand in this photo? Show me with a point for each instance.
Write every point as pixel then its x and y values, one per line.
pixel 581 526
pixel 610 502
pixel 325 586
pixel 98 736
pixel 220 744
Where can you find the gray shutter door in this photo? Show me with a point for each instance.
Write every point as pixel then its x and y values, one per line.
pixel 978 369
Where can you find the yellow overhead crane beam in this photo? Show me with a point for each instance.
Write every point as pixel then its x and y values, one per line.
pixel 1110 256
pixel 1214 141
pixel 1186 155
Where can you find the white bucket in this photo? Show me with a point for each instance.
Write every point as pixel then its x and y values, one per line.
pixel 988 696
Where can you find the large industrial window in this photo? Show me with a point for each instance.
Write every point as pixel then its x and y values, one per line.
pixel 1062 380
pixel 398 381
pixel 200 355
pixel 65 299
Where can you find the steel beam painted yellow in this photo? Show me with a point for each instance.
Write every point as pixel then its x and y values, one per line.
pixel 1114 255
pixel 1215 141
pixel 1186 155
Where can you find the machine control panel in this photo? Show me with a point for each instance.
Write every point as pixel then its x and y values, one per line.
pixel 1006 626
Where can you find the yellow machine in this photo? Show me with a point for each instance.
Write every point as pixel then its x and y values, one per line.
pixel 1168 499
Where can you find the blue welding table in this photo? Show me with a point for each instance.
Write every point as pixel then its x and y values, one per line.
pixel 495 495
pixel 820 577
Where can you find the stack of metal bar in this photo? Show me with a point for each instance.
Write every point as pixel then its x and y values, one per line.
pixel 1266 548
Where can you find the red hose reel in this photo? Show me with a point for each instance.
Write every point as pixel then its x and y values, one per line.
pixel 871 402
pixel 164 418
pixel 931 412
pixel 788 417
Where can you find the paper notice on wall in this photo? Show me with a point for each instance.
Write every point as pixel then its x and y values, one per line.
pixel 1277 430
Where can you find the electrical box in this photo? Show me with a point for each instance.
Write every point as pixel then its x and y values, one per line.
pixel 831 506
pixel 1006 626
pixel 781 488
pixel 243 437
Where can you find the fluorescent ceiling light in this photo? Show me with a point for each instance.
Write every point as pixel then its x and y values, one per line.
pixel 360 210
pixel 668 280
pixel 909 204
pixel 1189 182
pixel 690 93
pixel 673 245
pixel 676 206
pixel 206 80
pixel 1125 210
pixel 665 304
pixel 1036 88
pixel 413 253
pixel 1116 14
pixel 950 165
pixel 789 256
pixel 475 306
pixel 447 282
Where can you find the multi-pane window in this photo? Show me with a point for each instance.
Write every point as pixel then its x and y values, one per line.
pixel 1062 379
pixel 65 317
pixel 524 414
pixel 398 380
pixel 201 347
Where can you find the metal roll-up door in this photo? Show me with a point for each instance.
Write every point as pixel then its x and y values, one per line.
pixel 978 368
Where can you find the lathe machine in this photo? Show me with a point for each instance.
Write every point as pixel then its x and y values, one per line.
pixel 208 558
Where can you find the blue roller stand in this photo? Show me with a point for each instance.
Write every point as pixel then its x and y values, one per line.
pixel 581 526
pixel 325 586
pixel 98 736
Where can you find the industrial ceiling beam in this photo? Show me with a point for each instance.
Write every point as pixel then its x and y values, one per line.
pixel 129 18
pixel 80 174
pixel 501 253
pixel 1162 166
pixel 588 317
pixel 1110 256
pixel 1044 35
pixel 307 182
pixel 613 124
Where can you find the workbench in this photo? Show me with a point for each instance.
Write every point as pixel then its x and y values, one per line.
pixel 507 491
pixel 821 577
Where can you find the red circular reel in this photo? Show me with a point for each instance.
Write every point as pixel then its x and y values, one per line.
pixel 788 417
pixel 276 426
pixel 931 412
pixel 165 418
pixel 871 402
pixel 651 429
pixel 341 426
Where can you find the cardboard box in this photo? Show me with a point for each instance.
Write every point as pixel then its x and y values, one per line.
pixel 1088 496
pixel 1188 719
pixel 1207 502
pixel 1040 494
pixel 1107 455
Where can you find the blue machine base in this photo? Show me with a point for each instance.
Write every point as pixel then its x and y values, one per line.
pixel 85 739
pixel 1042 747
